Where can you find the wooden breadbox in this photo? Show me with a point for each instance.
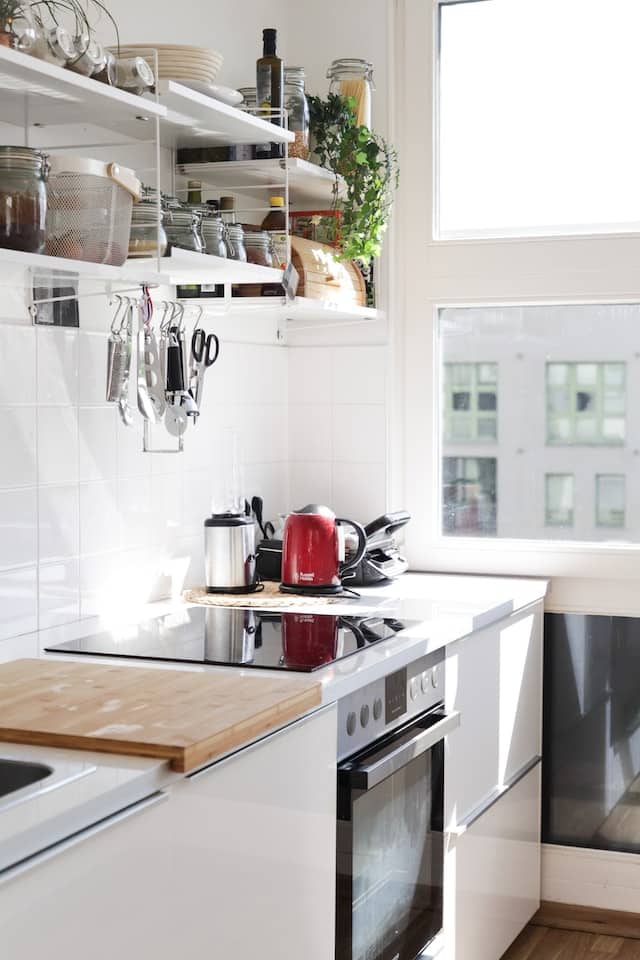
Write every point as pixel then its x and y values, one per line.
pixel 322 277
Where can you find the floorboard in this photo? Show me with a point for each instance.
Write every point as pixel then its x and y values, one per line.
pixel 545 943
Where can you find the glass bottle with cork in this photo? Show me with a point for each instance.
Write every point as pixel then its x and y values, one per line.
pixel 275 224
pixel 269 90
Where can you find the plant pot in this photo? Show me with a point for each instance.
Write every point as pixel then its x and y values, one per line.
pixel 7 37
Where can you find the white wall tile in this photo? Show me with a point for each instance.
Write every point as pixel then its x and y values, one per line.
pixel 92 367
pixel 167 508
pixel 132 460
pixel 310 483
pixel 59 597
pixel 197 502
pixel 310 432
pixel 57 445
pixel 18 602
pixel 18 527
pixel 310 375
pixel 14 648
pixel 271 482
pixel 18 352
pixel 265 433
pixel 18 460
pixel 57 365
pixel 359 433
pixel 97 428
pixel 99 517
pixel 134 509
pixel 98 583
pixel 359 491
pixel 59 520
pixel 359 374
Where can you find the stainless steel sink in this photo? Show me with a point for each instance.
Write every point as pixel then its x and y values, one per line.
pixel 16 774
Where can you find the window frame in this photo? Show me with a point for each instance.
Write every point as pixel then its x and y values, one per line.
pixel 483 272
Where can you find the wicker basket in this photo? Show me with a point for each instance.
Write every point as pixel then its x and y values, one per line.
pixel 89 206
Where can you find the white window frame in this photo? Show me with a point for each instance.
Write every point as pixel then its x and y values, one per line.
pixel 428 274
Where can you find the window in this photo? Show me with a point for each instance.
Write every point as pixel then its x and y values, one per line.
pixel 536 101
pixel 470 401
pixel 559 494
pixel 610 500
pixel 469 495
pixel 586 402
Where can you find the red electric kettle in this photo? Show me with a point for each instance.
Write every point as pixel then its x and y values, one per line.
pixel 313 551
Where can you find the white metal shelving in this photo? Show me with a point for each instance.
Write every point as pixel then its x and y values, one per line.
pixel 187 266
pixel 310 186
pixel 59 269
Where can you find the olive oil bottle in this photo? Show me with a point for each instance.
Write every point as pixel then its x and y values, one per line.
pixel 269 87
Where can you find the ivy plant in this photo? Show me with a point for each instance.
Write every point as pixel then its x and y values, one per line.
pixel 369 168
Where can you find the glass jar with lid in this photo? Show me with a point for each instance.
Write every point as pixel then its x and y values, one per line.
pixel 23 198
pixel 259 250
pixel 184 229
pixel 148 237
pixel 213 232
pixel 134 74
pixel 53 46
pixel 90 56
pixel 235 242
pixel 353 78
pixel 297 107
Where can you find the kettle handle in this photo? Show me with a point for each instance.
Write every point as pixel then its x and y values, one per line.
pixel 362 546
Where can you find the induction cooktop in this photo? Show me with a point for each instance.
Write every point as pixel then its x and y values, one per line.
pixel 240 637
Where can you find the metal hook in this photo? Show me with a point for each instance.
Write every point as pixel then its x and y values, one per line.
pixel 114 322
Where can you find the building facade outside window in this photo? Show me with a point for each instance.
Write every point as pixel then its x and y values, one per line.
pixel 610 500
pixel 586 403
pixel 469 496
pixel 559 499
pixel 471 402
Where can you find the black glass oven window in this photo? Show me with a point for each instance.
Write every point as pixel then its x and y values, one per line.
pixel 396 844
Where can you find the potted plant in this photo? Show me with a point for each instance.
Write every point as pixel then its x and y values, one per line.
pixel 10 10
pixel 369 168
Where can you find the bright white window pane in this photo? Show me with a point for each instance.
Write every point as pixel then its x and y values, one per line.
pixel 488 373
pixel 586 374
pixel 560 430
pixel 559 499
pixel 610 500
pixel 487 429
pixel 614 374
pixel 614 403
pixel 587 431
pixel 614 429
pixel 557 373
pixel 558 401
pixel 538 100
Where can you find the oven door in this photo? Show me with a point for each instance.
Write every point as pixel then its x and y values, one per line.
pixel 390 843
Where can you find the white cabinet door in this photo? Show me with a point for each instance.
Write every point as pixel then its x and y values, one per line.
pixel 492 875
pixel 238 862
pixel 494 680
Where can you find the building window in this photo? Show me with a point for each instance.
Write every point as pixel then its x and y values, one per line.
pixel 610 500
pixel 559 495
pixel 469 496
pixel 586 403
pixel 471 402
pixel 543 172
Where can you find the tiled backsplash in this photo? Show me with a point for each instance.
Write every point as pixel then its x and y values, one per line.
pixel 87 518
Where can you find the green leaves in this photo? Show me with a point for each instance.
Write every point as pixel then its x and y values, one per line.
pixel 369 167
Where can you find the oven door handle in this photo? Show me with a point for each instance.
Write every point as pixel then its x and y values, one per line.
pixel 367 775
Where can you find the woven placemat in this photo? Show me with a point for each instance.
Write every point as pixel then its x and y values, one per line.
pixel 269 597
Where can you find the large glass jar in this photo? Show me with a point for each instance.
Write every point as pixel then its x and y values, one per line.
pixel 147 237
pixel 297 107
pixel 353 78
pixel 259 250
pixel 213 232
pixel 23 198
pixel 235 242
pixel 184 229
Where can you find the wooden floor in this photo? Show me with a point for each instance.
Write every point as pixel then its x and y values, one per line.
pixel 545 943
pixel 561 931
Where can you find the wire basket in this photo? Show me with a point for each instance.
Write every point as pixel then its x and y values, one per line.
pixel 89 208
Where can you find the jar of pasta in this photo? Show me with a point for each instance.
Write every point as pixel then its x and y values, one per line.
pixel 353 78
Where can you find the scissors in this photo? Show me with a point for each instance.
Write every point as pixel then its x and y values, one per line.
pixel 204 353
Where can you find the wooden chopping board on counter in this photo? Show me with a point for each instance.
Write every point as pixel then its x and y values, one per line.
pixel 184 717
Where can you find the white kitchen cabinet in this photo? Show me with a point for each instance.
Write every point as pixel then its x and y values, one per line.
pixel 493 873
pixel 494 679
pixel 238 861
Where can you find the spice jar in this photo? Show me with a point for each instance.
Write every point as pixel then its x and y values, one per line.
pixel 90 56
pixel 258 246
pixel 108 72
pixel 297 107
pixel 235 242
pixel 183 229
pixel 353 78
pixel 23 198
pixel 213 232
pixel 134 74
pixel 148 237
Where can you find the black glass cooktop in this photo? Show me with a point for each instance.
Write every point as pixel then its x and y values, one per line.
pixel 234 636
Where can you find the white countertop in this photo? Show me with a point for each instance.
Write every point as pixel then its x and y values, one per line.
pixel 444 609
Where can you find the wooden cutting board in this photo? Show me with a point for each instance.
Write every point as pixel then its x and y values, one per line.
pixel 185 717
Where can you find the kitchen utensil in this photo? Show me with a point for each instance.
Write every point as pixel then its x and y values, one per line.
pixel 89 209
pixel 127 341
pixel 313 554
pixel 382 560
pixel 230 547
pixel 151 398
pixel 204 353
pixel 175 419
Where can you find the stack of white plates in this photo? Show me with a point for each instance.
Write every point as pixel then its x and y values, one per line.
pixel 177 61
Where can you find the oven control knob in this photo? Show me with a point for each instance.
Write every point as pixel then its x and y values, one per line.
pixel 413 688
pixel 377 708
pixel 435 676
pixel 351 723
pixel 364 714
pixel 425 681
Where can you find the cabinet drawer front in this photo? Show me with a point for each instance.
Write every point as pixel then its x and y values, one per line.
pixel 493 875
pixel 494 680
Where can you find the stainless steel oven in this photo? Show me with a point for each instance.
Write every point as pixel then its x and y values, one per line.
pixel 390 816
